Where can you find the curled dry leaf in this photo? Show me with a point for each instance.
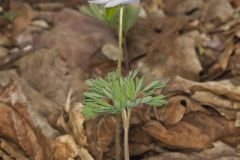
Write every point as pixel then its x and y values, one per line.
pixel 140 141
pixel 235 62
pixel 152 7
pixel 47 72
pixel 17 124
pixel 41 107
pixel 75 124
pixel 173 112
pixel 141 115
pixel 139 149
pixel 176 108
pixel 100 133
pixel 77 45
pixel 12 150
pixel 183 6
pixel 179 84
pixel 195 131
pixel 222 63
pixel 223 96
pixel 74 51
pixel 224 106
pixel 64 147
pixel 168 55
pixel 220 151
pixel 218 10
pixel 24 16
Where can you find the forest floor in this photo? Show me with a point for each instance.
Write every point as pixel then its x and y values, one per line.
pixel 49 48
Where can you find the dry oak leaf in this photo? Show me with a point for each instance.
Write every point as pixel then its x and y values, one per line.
pixel 64 148
pixel 41 106
pixel 16 124
pixel 181 85
pixel 24 15
pixel 12 150
pixel 176 108
pixel 220 151
pixel 100 132
pixel 196 131
pixel 75 124
pixel 167 53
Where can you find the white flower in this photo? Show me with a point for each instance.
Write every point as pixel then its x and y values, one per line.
pixel 113 3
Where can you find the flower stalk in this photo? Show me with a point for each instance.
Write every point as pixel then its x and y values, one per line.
pixel 126 114
pixel 122 91
pixel 120 41
pixel 119 72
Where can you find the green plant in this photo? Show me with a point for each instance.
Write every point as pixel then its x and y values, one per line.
pixel 110 15
pixel 116 94
pixel 112 94
pixel 10 15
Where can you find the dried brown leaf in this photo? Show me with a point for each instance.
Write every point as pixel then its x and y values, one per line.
pixel 220 151
pixel 64 147
pixel 75 124
pixel 182 85
pixel 17 124
pixel 195 131
pixel 224 106
pixel 176 108
pixel 12 150
pixel 100 133
pixel 24 16
pixel 168 55
pixel 218 10
pixel 42 107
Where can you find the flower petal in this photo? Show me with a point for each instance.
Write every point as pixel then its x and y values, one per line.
pixel 113 3
pixel 99 1
pixel 130 1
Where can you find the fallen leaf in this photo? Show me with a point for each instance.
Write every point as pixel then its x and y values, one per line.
pixel 225 107
pixel 176 108
pixel 196 131
pixel 64 147
pixel 182 85
pixel 100 133
pixel 17 124
pixel 57 78
pixel 77 45
pixel 41 107
pixel 183 6
pixel 217 10
pixel 24 16
pixel 12 150
pixel 219 151
pixel 167 54
pixel 75 124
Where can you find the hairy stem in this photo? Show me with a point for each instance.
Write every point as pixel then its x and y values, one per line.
pixel 119 71
pixel 126 114
pixel 126 56
pixel 117 141
pixel 120 40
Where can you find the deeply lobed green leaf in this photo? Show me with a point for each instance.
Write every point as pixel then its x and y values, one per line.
pixel 113 94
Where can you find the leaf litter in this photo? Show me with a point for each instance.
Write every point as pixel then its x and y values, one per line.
pixel 193 45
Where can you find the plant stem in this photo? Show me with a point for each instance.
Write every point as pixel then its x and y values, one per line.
pixel 120 37
pixel 119 71
pixel 126 57
pixel 117 141
pixel 126 114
